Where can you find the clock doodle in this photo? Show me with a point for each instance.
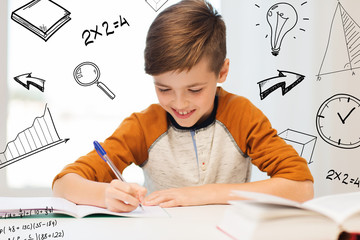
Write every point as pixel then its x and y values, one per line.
pixel 337 120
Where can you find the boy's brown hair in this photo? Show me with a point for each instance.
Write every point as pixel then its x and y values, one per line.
pixel 184 33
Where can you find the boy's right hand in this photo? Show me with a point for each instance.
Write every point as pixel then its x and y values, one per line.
pixel 123 197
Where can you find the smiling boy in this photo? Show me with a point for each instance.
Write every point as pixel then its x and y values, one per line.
pixel 198 143
pixel 188 96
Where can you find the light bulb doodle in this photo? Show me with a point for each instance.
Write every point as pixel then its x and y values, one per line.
pixel 282 18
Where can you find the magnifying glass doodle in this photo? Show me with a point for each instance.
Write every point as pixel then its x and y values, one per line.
pixel 87 74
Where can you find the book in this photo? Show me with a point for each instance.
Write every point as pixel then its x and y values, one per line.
pixel 42 17
pixel 11 207
pixel 349 236
pixel 263 216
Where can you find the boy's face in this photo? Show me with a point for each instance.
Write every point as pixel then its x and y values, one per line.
pixel 189 95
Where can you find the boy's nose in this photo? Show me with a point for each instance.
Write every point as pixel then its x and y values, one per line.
pixel 181 102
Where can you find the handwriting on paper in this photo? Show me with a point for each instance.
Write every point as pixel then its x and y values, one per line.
pixel 27 212
pixel 36 230
pixel 106 29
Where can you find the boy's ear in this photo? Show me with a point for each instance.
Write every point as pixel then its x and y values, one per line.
pixel 224 71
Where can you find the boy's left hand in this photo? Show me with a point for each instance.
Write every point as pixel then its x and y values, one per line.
pixel 176 197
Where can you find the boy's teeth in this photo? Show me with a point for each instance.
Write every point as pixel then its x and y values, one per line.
pixel 183 113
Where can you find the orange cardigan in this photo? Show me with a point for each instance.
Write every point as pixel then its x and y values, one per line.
pixel 222 151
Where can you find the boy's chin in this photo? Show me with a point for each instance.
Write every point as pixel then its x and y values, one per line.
pixel 187 125
pixel 184 123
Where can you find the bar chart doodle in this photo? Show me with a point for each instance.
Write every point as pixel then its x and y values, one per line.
pixel 343 47
pixel 40 136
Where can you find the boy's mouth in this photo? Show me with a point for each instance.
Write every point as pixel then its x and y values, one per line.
pixel 182 113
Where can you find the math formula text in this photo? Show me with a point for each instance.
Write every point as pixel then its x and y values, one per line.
pixel 36 230
pixel 105 29
pixel 343 178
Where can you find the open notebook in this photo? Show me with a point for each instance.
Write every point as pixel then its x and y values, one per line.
pixel 19 207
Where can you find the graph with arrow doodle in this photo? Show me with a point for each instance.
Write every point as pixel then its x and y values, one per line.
pixel 40 136
pixel 26 80
pixel 285 80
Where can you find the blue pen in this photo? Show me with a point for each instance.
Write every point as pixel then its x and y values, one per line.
pixel 99 149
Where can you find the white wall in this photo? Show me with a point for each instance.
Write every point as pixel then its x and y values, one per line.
pixel 3 82
pixel 302 51
pixel 251 61
pixel 81 114
pixel 4 100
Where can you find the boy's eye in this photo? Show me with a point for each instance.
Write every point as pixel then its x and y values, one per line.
pixel 195 90
pixel 163 89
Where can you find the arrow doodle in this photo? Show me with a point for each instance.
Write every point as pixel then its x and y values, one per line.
pixel 286 80
pixel 26 80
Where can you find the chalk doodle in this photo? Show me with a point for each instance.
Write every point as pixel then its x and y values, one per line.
pixel 91 35
pixel 337 120
pixel 87 74
pixel 343 46
pixel 26 80
pixel 285 80
pixel 343 178
pixel 282 18
pixel 40 136
pixel 303 143
pixel 156 4
pixel 42 17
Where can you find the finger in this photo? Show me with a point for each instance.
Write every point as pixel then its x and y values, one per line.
pixel 133 189
pixel 121 195
pixel 153 195
pixel 157 198
pixel 149 199
pixel 168 204
pixel 140 190
pixel 124 187
pixel 115 205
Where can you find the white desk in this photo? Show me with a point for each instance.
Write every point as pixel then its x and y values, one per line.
pixel 185 223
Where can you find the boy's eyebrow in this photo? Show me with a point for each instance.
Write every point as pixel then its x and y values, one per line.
pixel 160 84
pixel 189 86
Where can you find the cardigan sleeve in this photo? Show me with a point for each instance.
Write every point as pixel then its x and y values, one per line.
pixel 257 139
pixel 128 144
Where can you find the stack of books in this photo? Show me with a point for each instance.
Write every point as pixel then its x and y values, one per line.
pixel 264 216
pixel 42 17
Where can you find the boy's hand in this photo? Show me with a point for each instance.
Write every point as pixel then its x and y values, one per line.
pixel 176 197
pixel 123 197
